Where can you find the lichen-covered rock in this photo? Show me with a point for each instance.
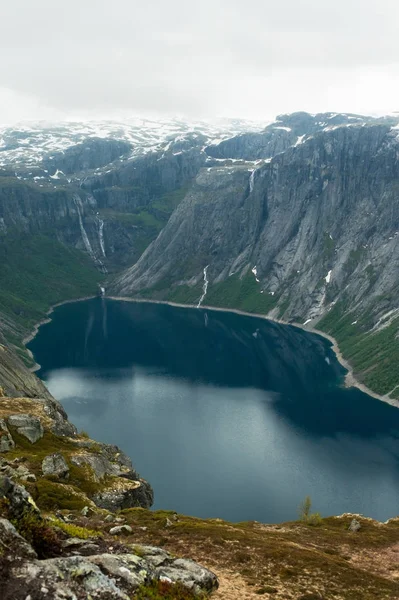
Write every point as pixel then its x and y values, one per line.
pixel 100 576
pixel 56 466
pixel 67 578
pixel 124 493
pixel 84 547
pixel 129 570
pixel 13 544
pixel 6 441
pixel 28 426
pixel 60 424
pixel 188 572
pixel 19 500
pixel 100 465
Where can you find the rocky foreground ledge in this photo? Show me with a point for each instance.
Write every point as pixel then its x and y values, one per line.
pixel 75 524
pixel 62 468
pixel 50 476
pixel 51 559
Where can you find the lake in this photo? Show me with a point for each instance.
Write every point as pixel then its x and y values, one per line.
pixel 226 415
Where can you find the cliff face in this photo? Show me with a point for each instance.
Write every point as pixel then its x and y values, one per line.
pixel 298 221
pixel 297 217
pixel 15 379
pixel 110 216
pixel 91 154
pixel 314 230
pixel 286 131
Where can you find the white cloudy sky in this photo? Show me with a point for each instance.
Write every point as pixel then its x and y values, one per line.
pixel 253 58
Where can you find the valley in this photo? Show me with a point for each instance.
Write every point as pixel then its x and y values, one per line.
pixel 297 220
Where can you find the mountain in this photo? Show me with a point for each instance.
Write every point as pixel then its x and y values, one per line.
pixel 310 235
pixel 297 220
pixel 80 200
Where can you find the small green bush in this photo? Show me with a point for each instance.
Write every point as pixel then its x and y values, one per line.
pixel 306 516
pixel 304 509
pixel 39 534
pixel 49 495
pixel 314 519
pixel 76 531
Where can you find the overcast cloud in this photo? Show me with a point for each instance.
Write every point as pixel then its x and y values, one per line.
pixel 253 59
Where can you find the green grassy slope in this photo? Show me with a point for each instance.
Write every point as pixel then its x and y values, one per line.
pixel 374 355
pixel 36 272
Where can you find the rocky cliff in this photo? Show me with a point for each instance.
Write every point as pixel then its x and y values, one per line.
pixel 310 235
pixel 298 220
pixel 16 379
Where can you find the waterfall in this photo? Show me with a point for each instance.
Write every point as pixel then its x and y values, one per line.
pixel 205 287
pixel 101 236
pixel 85 237
pixel 252 181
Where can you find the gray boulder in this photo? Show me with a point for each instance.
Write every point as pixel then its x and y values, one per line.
pixel 19 500
pixel 60 424
pixel 55 465
pixel 188 572
pixel 129 570
pixel 6 441
pixel 14 545
pixel 354 526
pixel 132 494
pixel 121 530
pixel 67 578
pixel 100 465
pixel 99 576
pixel 28 426
pixel 78 546
pixel 109 519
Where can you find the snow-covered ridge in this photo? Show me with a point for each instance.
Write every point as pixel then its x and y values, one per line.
pixel 25 144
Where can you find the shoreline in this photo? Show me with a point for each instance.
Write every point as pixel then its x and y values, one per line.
pixel 349 381
pixel 44 321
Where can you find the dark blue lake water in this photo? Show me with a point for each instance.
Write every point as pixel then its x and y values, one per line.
pixel 226 415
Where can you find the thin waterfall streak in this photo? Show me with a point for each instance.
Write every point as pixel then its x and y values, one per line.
pixel 205 287
pixel 85 237
pixel 101 236
pixel 252 181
